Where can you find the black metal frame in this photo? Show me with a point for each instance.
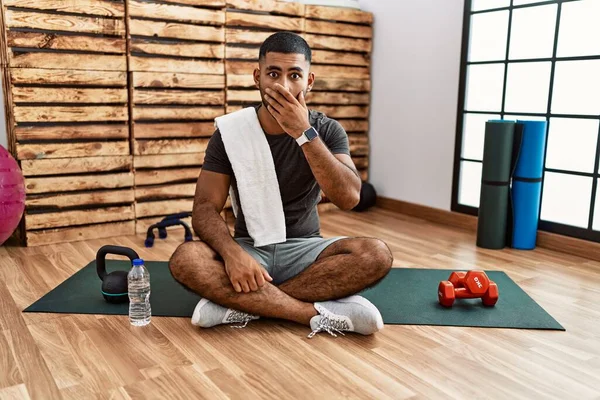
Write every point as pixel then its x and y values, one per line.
pixel 583 233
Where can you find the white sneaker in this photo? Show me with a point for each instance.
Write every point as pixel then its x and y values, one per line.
pixel 208 314
pixel 350 314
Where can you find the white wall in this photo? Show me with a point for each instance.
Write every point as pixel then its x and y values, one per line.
pixel 415 78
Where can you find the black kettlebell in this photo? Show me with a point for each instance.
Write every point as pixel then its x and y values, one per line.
pixel 114 285
pixel 368 197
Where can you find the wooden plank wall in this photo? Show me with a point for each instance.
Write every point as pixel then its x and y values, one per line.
pixel 341 40
pixel 178 88
pixel 341 43
pixel 110 103
pixel 248 24
pixel 66 83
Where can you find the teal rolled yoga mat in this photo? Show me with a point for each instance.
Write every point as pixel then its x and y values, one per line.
pixel 492 222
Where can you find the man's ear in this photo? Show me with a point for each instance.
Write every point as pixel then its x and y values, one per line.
pixel 311 81
pixel 256 75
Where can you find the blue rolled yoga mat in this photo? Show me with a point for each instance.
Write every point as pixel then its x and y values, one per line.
pixel 527 184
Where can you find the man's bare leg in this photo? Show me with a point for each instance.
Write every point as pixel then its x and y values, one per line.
pixel 344 268
pixel 198 267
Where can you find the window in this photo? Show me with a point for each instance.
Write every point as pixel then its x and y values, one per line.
pixel 526 59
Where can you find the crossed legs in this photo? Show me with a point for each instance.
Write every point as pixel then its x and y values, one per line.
pixel 344 268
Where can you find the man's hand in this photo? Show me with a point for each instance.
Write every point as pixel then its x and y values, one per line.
pixel 290 113
pixel 245 273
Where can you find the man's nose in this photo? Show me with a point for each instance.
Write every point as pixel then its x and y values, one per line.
pixel 285 83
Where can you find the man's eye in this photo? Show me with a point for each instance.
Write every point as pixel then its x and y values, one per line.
pixel 273 74
pixel 295 76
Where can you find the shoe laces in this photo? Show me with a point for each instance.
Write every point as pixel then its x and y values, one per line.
pixel 331 324
pixel 239 317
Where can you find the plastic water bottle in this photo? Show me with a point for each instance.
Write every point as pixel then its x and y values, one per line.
pixel 138 285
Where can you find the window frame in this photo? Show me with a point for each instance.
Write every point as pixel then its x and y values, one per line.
pixel 554 227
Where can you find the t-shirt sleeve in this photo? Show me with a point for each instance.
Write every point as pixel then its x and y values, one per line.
pixel 336 138
pixel 215 157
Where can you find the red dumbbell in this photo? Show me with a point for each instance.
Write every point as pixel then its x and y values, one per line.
pixel 476 281
pixel 457 278
pixel 469 285
pixel 490 298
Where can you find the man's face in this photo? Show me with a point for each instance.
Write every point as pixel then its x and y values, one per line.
pixel 292 71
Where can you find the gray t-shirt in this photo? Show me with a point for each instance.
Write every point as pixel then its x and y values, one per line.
pixel 300 192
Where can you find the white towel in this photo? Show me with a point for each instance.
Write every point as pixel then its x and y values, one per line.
pixel 252 163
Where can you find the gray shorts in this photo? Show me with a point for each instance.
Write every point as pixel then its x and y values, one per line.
pixel 286 260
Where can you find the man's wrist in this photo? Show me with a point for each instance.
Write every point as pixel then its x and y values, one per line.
pixel 231 251
pixel 298 134
pixel 308 135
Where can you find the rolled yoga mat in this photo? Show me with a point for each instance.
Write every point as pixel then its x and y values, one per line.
pixel 495 179
pixel 407 296
pixel 527 184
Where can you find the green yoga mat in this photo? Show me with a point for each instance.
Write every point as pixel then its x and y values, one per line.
pixel 495 178
pixel 407 296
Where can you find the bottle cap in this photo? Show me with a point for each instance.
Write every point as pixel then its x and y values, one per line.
pixel 138 261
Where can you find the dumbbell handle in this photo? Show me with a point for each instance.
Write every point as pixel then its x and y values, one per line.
pixel 464 293
pixel 460 283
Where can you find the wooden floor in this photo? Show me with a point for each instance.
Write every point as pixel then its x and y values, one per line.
pixel 47 356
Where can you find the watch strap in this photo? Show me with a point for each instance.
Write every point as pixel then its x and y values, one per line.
pixel 305 138
pixel 302 139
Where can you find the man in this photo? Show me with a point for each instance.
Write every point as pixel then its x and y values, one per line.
pixel 306 279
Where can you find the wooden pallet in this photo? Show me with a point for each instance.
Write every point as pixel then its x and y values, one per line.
pixel 341 41
pixel 110 103
pixel 66 85
pixel 143 223
pixel 248 24
pixel 177 86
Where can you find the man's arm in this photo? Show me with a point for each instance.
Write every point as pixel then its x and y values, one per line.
pixel 244 271
pixel 212 190
pixel 337 174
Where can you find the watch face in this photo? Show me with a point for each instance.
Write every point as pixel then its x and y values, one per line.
pixel 311 133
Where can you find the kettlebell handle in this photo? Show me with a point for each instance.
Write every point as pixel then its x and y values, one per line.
pixel 110 249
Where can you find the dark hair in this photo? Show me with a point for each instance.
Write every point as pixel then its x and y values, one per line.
pixel 285 42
